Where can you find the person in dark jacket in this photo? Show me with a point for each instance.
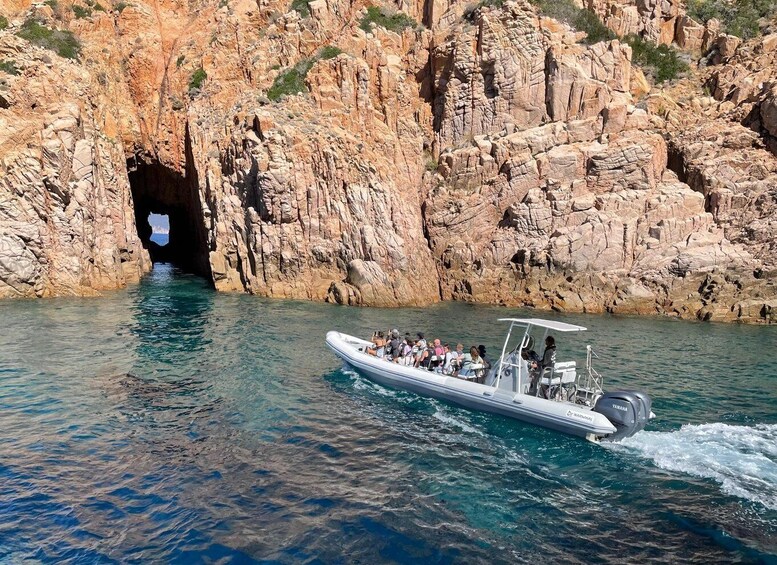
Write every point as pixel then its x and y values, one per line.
pixel 548 361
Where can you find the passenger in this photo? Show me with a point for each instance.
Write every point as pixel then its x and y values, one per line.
pixel 378 348
pixel 453 359
pixel 547 362
pixel 444 366
pixel 457 357
pixel 437 356
pixel 549 355
pixel 482 354
pixel 419 350
pixel 530 368
pixel 394 346
pixel 407 353
pixel 408 356
pixel 428 357
pixel 471 366
pixel 446 359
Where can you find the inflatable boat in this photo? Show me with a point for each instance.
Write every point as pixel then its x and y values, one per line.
pixel 557 396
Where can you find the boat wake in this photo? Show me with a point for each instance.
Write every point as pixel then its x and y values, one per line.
pixel 441 414
pixel 742 459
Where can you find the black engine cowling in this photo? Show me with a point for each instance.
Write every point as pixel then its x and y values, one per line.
pixel 627 410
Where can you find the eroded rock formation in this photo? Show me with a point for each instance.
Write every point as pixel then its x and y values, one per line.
pixel 66 219
pixel 488 157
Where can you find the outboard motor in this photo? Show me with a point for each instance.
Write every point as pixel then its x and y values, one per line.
pixel 627 410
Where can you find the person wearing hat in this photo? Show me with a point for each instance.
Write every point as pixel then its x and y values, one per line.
pixel 394 345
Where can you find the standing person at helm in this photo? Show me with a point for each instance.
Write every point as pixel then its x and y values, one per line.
pixel 548 360
pixel 549 355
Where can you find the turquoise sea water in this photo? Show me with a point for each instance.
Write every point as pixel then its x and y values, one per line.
pixel 170 423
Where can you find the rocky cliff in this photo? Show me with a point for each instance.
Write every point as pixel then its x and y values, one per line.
pixel 486 153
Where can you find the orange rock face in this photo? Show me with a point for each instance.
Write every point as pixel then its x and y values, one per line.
pixel 488 156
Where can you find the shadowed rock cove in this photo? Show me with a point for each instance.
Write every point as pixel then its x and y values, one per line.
pixel 487 153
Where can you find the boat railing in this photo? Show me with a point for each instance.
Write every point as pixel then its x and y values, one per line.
pixel 590 383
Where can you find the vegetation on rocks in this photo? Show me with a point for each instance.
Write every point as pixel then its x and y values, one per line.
pixel 292 81
pixel 329 52
pixel 660 61
pixel 9 68
pixel 301 7
pixel 3 22
pixel 196 80
pixel 120 6
pixel 62 42
pixel 396 21
pixel 737 17
pixel 80 12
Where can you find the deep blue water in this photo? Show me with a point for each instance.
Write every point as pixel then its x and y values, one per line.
pixel 160 238
pixel 168 423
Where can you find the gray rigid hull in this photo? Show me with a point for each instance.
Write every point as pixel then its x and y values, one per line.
pixel 565 417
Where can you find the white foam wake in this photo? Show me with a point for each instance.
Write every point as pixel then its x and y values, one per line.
pixel 743 459
pixel 453 421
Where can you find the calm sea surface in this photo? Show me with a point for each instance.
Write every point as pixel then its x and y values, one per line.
pixel 170 423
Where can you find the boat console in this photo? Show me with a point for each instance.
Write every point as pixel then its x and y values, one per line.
pixel 628 411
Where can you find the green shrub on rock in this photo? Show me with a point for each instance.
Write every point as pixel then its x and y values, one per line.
pixel 660 61
pixel 63 42
pixel 196 80
pixel 383 18
pixel 3 22
pixel 737 17
pixel 301 7
pixel 81 12
pixel 329 52
pixel 9 68
pixel 291 81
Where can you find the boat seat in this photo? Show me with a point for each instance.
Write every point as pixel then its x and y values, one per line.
pixel 563 373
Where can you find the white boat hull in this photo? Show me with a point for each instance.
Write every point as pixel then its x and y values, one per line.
pixel 561 416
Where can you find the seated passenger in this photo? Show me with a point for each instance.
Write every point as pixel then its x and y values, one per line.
pixel 427 359
pixel 471 366
pixel 378 348
pixel 394 345
pixel 436 355
pixel 453 359
pixel 419 350
pixel 407 353
pixel 482 354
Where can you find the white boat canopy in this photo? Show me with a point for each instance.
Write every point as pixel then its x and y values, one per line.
pixel 548 324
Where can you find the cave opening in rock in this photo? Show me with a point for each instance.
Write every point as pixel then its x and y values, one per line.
pixel 160 191
pixel 160 228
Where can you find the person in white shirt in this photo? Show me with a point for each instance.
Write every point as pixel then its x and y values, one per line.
pixel 452 358
pixel 472 365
